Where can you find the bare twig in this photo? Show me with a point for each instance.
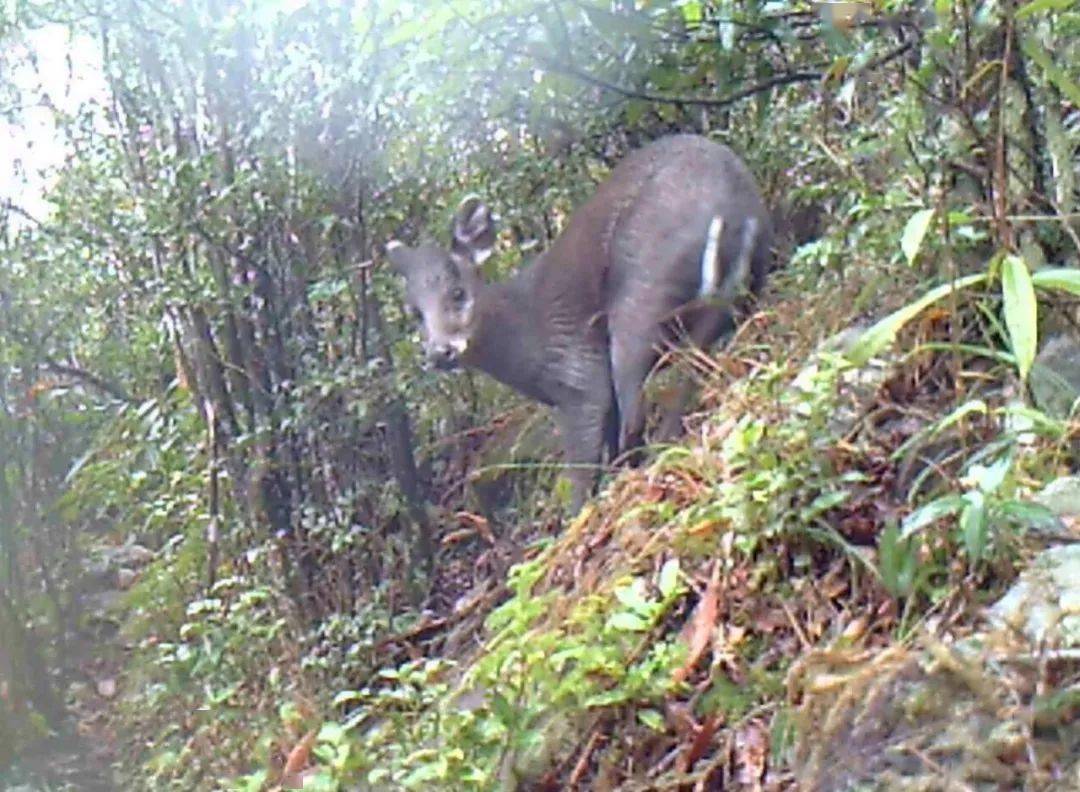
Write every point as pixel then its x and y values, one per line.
pixel 102 384
pixel 1001 180
pixel 679 101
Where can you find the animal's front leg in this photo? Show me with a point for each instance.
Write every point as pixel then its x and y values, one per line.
pixel 583 430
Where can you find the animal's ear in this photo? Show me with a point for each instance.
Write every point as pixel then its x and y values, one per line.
pixel 396 253
pixel 473 230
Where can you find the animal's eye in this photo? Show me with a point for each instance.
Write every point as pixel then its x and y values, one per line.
pixel 458 295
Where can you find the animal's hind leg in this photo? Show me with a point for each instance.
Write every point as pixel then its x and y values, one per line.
pixel 706 328
pixel 611 430
pixel 632 358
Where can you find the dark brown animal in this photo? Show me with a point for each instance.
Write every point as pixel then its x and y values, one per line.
pixel 662 249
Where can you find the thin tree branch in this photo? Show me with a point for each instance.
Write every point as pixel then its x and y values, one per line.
pixel 102 384
pixel 786 78
pixel 891 55
pixel 554 65
pixel 680 101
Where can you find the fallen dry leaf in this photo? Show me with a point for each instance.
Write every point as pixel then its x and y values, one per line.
pixel 703 736
pixel 298 759
pixel 460 535
pixel 699 628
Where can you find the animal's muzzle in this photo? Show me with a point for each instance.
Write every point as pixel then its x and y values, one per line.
pixel 443 357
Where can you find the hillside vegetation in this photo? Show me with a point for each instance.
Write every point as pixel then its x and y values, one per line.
pixel 247 541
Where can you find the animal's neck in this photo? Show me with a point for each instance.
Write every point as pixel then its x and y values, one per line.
pixel 506 343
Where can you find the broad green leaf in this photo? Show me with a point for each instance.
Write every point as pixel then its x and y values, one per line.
pixel 1021 418
pixel 1033 515
pixel 1039 6
pixel 1034 50
pixel 429 771
pixel 669 577
pixel 883 332
pixel 822 503
pixel 331 732
pixel 502 709
pixel 635 110
pixel 973 525
pixel 898 561
pixel 988 478
pixel 1061 278
pixel 633 595
pixel 628 622
pixel 1021 312
pixel 914 233
pixel 931 512
pixel 347 697
pixel 651 718
pixel 691 13
pixel 965 409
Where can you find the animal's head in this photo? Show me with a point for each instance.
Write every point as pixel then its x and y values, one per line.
pixel 442 286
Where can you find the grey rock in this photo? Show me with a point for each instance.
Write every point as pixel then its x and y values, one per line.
pixel 1061 496
pixel 1055 376
pixel 131 555
pixel 1044 604
pixel 101 603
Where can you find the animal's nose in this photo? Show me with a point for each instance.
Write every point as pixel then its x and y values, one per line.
pixel 443 356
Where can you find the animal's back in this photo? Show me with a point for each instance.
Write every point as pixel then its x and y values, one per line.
pixel 638 242
pixel 660 238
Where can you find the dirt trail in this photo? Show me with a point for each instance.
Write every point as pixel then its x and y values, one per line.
pixel 66 762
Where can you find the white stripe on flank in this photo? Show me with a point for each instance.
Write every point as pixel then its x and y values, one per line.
pixel 736 278
pixel 710 259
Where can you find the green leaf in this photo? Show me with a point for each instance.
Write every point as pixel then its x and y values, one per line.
pixel 974 527
pixel 914 233
pixel 973 406
pixel 424 773
pixel 899 561
pixel 1065 279
pixel 930 513
pixel 1021 311
pixel 1039 6
pixel 669 577
pixel 883 332
pixel 653 719
pixel 502 709
pixel 253 782
pixel 1034 50
pixel 633 595
pixel 1032 515
pixel 691 13
pixel 822 503
pixel 988 478
pixel 635 110
pixel 628 622
pixel 331 732
pixel 347 697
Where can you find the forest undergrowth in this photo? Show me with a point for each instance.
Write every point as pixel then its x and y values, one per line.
pixel 248 542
